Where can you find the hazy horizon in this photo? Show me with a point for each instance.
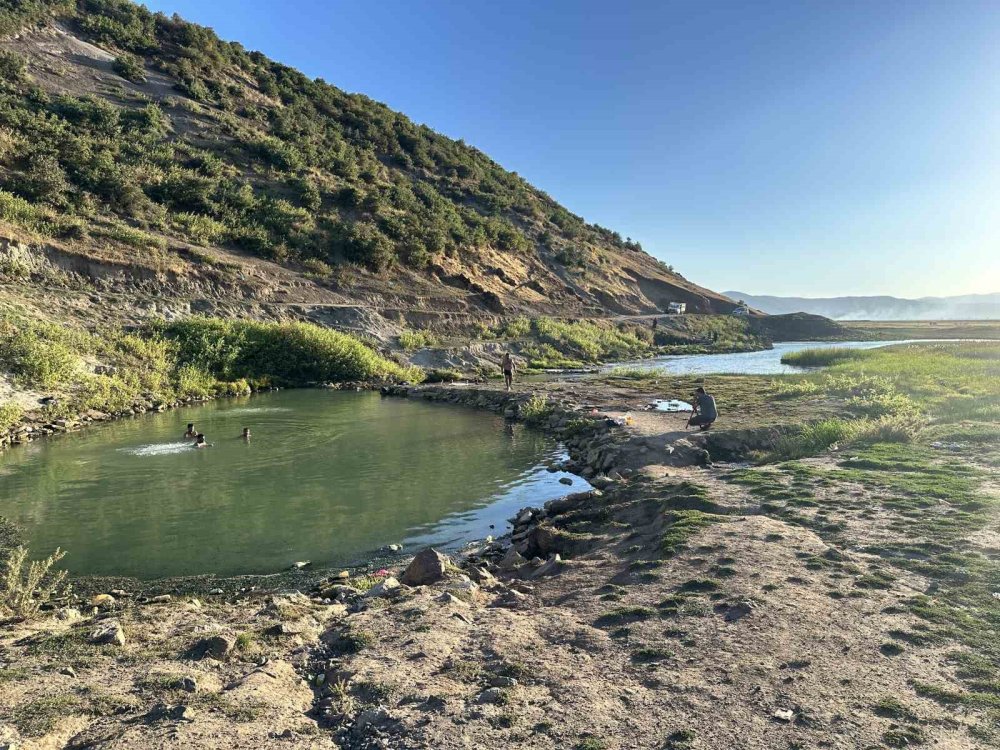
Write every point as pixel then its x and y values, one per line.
pixel 807 149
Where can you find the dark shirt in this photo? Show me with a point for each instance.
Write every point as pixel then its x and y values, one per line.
pixel 706 406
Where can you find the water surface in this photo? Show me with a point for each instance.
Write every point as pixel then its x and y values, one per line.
pixel 328 477
pixel 766 362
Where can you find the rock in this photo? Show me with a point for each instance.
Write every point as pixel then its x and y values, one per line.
pixel 492 695
pixel 449 598
pixel 523 517
pixel 68 671
pixel 103 601
pixel 511 560
pixel 783 714
pixel 553 566
pixel 109 632
pixel 160 599
pixel 162 711
pixel 188 684
pixel 429 566
pixel 601 482
pixel 339 592
pixel 565 480
pixel 120 593
pixel 386 587
pixel 481 575
pixel 68 614
pixel 216 647
pixel 372 716
pixel 341 576
pixel 300 564
pixel 463 585
pixel 394 547
pixel 503 682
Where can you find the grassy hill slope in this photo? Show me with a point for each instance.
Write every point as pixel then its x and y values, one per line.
pixel 145 141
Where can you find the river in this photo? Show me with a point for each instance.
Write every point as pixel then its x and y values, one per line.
pixel 764 362
pixel 328 476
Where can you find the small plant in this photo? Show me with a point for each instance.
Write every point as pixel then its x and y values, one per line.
pixel 536 410
pixel 23 591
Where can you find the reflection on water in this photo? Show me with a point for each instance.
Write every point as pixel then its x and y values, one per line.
pixel 328 477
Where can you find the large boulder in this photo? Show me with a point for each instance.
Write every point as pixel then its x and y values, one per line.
pixel 429 566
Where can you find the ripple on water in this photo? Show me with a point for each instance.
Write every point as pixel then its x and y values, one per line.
pixel 256 410
pixel 156 449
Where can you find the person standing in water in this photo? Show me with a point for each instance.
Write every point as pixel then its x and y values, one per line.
pixel 190 431
pixel 507 365
pixel 246 434
pixel 705 411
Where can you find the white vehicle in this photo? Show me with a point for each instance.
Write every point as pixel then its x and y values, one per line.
pixel 676 308
pixel 741 310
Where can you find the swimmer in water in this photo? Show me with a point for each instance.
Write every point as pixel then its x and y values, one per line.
pixel 246 434
pixel 190 431
pixel 199 441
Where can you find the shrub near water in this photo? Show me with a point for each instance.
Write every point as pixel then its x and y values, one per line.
pixel 197 357
pixel 289 352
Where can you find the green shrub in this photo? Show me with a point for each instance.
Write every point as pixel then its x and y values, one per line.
pixel 412 340
pixel 293 353
pixel 10 415
pixel 24 589
pixel 536 410
pixel 129 67
pixel 37 354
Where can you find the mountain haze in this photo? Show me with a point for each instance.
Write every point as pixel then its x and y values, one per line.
pixel 146 147
pixel 963 307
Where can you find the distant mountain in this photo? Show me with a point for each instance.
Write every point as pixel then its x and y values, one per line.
pixel 962 307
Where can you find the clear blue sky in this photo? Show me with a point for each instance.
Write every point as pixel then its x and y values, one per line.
pixel 801 148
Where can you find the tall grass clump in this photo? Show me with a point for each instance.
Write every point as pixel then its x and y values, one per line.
pixel 819 436
pixel 634 373
pixel 823 356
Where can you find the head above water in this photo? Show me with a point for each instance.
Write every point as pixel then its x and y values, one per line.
pixel 246 432
pixel 190 426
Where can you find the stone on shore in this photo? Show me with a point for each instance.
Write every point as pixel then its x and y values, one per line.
pixel 109 632
pixel 429 566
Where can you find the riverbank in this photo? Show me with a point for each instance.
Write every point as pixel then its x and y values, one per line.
pixel 842 599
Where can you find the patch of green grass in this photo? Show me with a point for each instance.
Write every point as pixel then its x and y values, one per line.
pixel 682 739
pixel 892 708
pixel 904 736
pixel 590 743
pixel 622 615
pixel 650 654
pixel 39 716
pixel 700 585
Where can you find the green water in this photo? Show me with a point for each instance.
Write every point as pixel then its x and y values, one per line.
pixel 327 476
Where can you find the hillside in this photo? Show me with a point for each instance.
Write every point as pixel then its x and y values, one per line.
pixel 177 171
pixel 962 307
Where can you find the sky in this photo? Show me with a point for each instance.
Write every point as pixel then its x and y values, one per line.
pixel 793 148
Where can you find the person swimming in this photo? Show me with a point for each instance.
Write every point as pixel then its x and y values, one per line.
pixel 246 434
pixel 199 441
pixel 190 431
